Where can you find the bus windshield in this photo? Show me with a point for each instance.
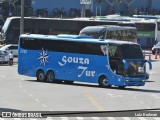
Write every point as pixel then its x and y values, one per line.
pixel 125 51
pixel 130 53
pixel 146 33
pixel 145 26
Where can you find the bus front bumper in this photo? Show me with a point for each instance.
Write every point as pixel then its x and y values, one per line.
pixel 135 82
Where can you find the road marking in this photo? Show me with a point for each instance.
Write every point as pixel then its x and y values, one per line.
pixel 64 118
pixel 156 118
pixel 79 118
pixel 2 76
pixel 16 119
pixel 95 118
pixel 15 65
pixel 30 95
pixel 141 118
pixel 152 72
pixel 110 118
pixel 141 102
pixel 24 90
pixel 49 118
pixel 36 100
pixel 44 105
pixel 126 118
pixel 94 102
pixel 120 95
pixel 148 107
pixel 2 118
pixel 135 97
pixel 154 95
pixel 113 96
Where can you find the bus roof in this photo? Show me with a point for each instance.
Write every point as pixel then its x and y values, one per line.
pixel 71 19
pixel 102 28
pixel 76 38
pixel 145 16
pixel 146 21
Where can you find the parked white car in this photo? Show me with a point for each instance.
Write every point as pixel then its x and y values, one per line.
pixel 9 48
pixel 4 56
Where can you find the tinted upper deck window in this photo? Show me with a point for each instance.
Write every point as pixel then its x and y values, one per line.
pixel 131 51
pixel 62 46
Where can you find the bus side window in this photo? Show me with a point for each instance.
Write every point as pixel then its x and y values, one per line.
pixel 102 35
pixel 108 34
pixel 119 35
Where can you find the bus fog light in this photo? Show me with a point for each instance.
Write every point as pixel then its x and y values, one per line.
pixel 126 80
pixel 140 69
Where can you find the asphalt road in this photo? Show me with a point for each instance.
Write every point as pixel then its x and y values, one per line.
pixel 21 93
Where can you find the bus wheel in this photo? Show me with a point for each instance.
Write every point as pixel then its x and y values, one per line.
pixel 40 76
pixel 103 82
pixel 50 77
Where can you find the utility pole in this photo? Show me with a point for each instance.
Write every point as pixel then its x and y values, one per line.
pixel 83 10
pixel 83 3
pixel 22 18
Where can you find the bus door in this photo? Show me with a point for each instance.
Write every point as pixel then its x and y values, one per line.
pixel 116 64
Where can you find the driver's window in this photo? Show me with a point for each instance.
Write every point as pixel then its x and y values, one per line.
pixel 114 51
pixel 115 59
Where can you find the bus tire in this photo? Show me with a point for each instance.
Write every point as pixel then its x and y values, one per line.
pixel 103 82
pixel 50 77
pixel 40 76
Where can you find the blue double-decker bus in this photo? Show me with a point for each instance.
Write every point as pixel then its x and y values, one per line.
pixel 70 58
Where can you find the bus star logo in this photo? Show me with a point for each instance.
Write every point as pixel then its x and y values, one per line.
pixel 43 57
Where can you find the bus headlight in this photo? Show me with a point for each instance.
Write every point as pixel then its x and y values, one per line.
pixel 140 69
pixel 126 80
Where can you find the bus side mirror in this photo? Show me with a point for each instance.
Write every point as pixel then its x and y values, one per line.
pixel 150 64
pixel 125 64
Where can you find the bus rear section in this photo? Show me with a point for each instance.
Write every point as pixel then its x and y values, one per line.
pixel 146 32
pixel 48 26
pixel 76 58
